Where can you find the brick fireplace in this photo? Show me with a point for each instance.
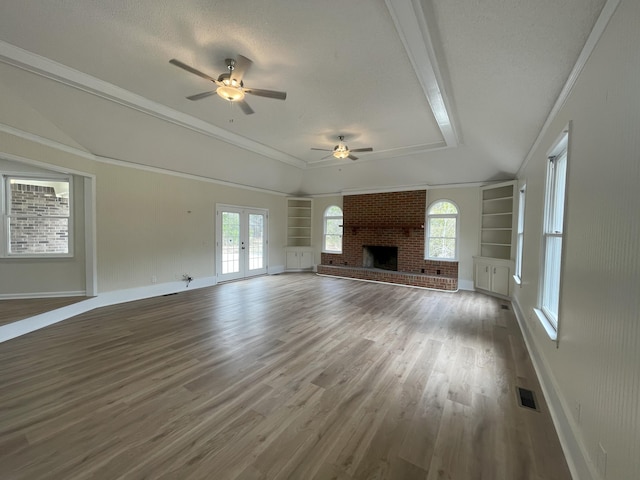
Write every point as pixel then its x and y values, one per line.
pixel 392 219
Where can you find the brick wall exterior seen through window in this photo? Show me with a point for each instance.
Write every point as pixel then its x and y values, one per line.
pixel 32 228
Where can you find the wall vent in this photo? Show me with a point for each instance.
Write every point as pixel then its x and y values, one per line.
pixel 504 307
pixel 527 399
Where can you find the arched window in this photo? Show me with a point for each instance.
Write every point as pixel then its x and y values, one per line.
pixel 442 231
pixel 332 242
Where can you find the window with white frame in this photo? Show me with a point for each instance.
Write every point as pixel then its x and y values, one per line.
pixel 332 230
pixel 37 216
pixel 520 234
pixel 442 231
pixel 552 234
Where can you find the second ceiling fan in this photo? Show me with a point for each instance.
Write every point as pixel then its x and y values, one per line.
pixel 230 85
pixel 342 150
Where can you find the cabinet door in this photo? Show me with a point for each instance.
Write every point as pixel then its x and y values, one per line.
pixel 306 259
pixel 500 280
pixel 293 262
pixel 483 276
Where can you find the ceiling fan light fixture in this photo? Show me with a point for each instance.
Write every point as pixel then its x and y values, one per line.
pixel 341 150
pixel 230 93
pixel 341 153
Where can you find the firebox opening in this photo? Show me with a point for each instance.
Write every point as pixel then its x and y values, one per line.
pixel 374 256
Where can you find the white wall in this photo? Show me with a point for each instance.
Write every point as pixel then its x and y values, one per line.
pixel 154 224
pixel 595 369
pixel 320 204
pixel 142 224
pixel 468 201
pixel 47 276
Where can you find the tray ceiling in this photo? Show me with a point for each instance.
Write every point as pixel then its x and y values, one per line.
pixel 445 92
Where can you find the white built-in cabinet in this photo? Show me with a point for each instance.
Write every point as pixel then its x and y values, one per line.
pixel 493 275
pixel 299 258
pixel 493 268
pixel 299 251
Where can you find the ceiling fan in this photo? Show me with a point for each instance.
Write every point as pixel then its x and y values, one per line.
pixel 342 150
pixel 230 84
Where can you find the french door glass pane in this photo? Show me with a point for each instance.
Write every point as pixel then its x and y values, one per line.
pixel 256 241
pixel 230 242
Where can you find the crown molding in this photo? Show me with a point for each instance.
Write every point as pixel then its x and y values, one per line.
pixel 598 29
pixel 400 188
pixel 112 161
pixel 46 68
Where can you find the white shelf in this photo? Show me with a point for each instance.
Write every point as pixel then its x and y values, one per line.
pixel 496 227
pixel 299 212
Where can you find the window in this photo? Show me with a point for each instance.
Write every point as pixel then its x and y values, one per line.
pixel 520 235
pixel 37 216
pixel 333 230
pixel 442 231
pixel 552 236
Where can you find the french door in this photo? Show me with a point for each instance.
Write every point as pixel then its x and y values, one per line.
pixel 241 242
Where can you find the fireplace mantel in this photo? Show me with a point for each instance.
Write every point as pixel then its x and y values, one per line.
pixel 406 229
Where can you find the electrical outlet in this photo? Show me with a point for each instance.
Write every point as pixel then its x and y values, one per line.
pixel 602 461
pixel 154 279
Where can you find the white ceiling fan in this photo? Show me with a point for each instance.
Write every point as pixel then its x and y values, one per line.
pixel 230 85
pixel 342 150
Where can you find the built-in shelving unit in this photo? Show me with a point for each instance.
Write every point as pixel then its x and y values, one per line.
pixel 299 222
pixel 496 231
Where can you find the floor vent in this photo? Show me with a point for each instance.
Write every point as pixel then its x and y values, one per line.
pixel 527 399
pixel 504 307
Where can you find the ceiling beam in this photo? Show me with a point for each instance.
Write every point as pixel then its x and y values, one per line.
pixel 411 25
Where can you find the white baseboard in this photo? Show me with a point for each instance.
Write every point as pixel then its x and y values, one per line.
pixel 465 285
pixel 20 296
pixel 572 446
pixel 22 327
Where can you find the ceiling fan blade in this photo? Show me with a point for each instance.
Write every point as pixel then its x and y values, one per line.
pixel 324 158
pixel 266 93
pixel 190 69
pixel 368 149
pixel 245 107
pixel 352 157
pixel 200 96
pixel 322 149
pixel 240 68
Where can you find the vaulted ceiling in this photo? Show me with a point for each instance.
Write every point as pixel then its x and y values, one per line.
pixel 446 92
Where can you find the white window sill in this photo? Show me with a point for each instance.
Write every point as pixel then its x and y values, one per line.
pixel 546 324
pixel 44 256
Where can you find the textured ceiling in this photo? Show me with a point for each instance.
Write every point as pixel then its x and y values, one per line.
pixel 367 69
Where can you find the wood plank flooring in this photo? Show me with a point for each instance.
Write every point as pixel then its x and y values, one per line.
pixel 14 310
pixel 292 376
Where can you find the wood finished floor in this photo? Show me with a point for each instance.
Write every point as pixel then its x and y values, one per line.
pixel 291 376
pixel 14 310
